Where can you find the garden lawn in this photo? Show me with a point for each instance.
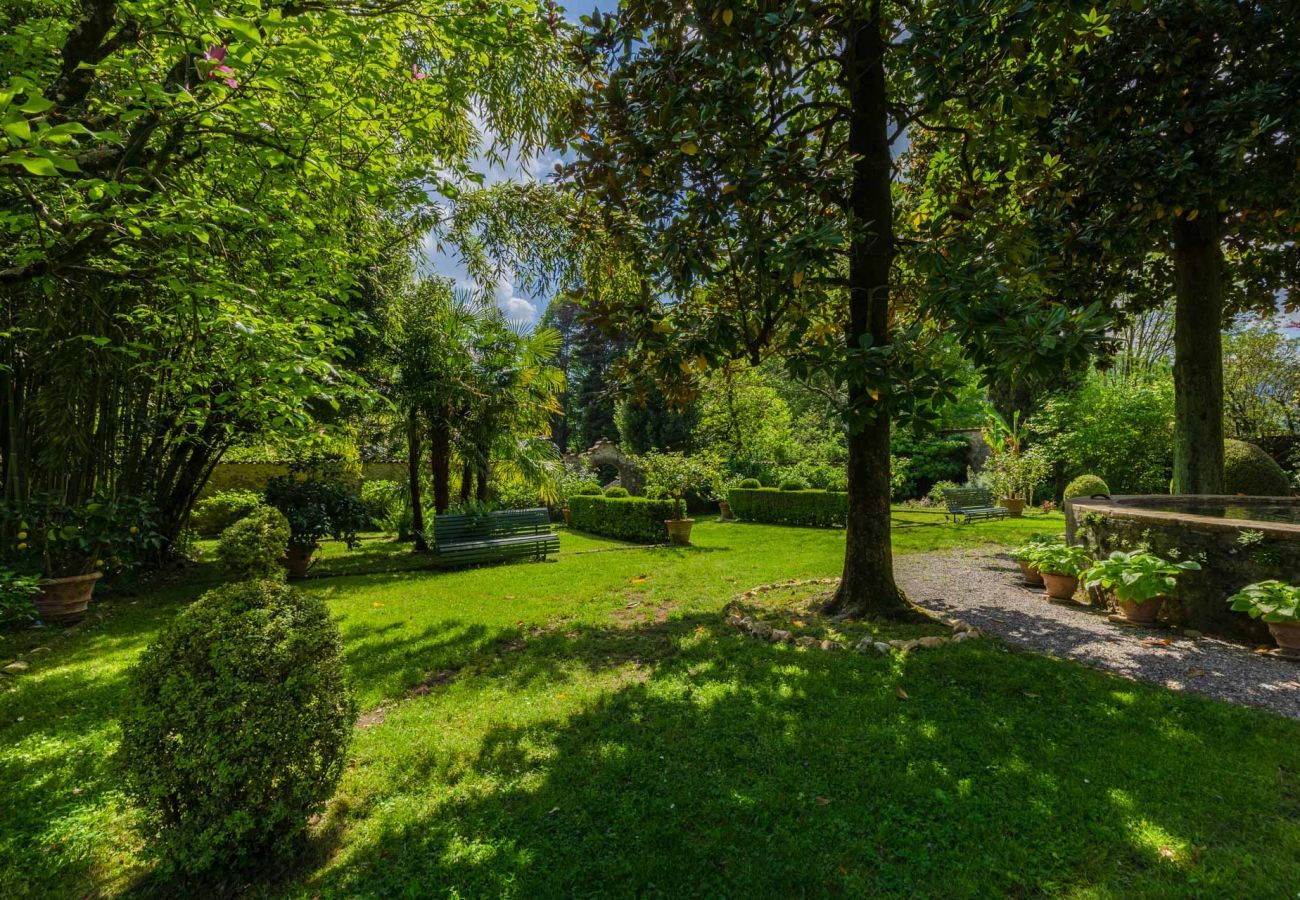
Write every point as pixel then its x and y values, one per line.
pixel 591 726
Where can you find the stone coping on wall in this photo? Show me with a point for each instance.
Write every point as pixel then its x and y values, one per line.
pixel 1129 506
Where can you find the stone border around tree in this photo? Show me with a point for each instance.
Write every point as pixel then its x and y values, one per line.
pixel 763 631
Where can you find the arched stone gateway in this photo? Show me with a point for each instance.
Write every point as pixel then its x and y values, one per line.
pixel 606 453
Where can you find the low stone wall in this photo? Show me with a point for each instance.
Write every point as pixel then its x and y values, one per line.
pixel 253 476
pixel 1232 552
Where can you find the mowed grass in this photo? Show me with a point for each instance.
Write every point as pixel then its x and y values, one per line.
pixel 590 726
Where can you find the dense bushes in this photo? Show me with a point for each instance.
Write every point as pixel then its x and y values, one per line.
pixel 824 508
pixel 929 459
pixel 616 491
pixel 793 485
pixel 1085 486
pixel 751 484
pixel 213 515
pixel 254 546
pixel 628 518
pixel 237 725
pixel 1249 470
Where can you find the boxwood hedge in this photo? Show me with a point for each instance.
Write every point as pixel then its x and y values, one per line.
pixel 821 508
pixel 629 518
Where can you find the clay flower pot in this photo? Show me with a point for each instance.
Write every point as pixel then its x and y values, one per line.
pixel 1144 612
pixel 65 599
pixel 725 508
pixel 1033 577
pixel 1060 587
pixel 1015 507
pixel 298 560
pixel 568 516
pixel 679 531
pixel 1287 635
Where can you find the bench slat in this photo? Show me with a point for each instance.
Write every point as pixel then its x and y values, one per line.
pixel 506 534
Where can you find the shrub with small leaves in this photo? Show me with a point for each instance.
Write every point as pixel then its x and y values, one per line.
pixel 616 491
pixel 793 485
pixel 16 595
pixel 1085 486
pixel 236 727
pixel 255 545
pixel 213 515
pixel 750 484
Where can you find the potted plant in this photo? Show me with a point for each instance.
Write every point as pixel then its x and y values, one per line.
pixel 69 547
pixel 1139 581
pixel 1026 556
pixel 1061 565
pixel 1277 604
pixel 671 476
pixel 318 505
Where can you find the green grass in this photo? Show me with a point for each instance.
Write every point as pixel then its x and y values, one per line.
pixel 591 726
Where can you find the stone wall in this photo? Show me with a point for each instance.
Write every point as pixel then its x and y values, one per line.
pixel 253 476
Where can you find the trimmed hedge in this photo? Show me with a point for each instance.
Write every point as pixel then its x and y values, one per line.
pixel 628 518
pixel 773 507
pixel 1247 469
pixel 1085 486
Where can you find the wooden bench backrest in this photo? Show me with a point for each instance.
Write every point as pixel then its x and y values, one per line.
pixel 967 498
pixel 502 523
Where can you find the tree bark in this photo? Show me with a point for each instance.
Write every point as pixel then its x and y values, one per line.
pixel 1198 357
pixel 413 473
pixel 440 465
pixel 466 480
pixel 867 586
pixel 481 485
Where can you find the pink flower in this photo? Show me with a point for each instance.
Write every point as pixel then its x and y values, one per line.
pixel 417 74
pixel 216 54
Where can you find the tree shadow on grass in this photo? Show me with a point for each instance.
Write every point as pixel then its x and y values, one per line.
pixel 725 767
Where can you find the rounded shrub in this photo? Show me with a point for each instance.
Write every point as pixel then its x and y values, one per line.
pixel 587 490
pixel 213 515
pixel 236 726
pixel 1085 486
pixel 750 484
pixel 616 491
pixel 1247 469
pixel 255 545
pixel 793 485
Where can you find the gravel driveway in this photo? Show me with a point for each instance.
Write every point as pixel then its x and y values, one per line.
pixel 986 590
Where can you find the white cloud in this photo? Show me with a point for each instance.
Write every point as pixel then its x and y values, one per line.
pixel 516 309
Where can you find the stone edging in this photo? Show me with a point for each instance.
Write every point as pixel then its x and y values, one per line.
pixel 962 631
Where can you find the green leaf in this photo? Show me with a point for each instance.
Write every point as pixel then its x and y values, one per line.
pixel 35 105
pixel 37 165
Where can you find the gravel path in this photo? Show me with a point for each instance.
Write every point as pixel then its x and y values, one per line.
pixel 986 590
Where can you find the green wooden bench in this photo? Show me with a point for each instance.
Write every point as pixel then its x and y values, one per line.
pixel 496 537
pixel 972 503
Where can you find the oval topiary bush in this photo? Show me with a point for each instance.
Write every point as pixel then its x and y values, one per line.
pixel 750 484
pixel 1247 469
pixel 793 485
pixel 587 490
pixel 1085 486
pixel 616 491
pixel 254 547
pixel 237 726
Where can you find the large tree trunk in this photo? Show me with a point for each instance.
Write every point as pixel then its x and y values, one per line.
pixel 413 472
pixel 440 465
pixel 867 587
pixel 466 480
pixel 481 487
pixel 1198 357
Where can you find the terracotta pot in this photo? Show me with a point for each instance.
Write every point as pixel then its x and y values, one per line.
pixel 1144 612
pixel 1287 635
pixel 568 516
pixel 1060 587
pixel 679 531
pixel 298 560
pixel 1015 506
pixel 725 508
pixel 65 599
pixel 1033 577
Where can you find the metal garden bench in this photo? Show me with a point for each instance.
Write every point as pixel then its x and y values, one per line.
pixel 495 537
pixel 972 503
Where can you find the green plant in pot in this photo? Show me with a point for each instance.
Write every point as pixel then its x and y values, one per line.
pixel 318 505
pixel 1061 565
pixel 1026 555
pixel 671 476
pixel 68 547
pixel 1138 580
pixel 1277 604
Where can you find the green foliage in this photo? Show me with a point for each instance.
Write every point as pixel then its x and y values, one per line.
pixel 936 494
pixel 1137 575
pixel 16 595
pixel 616 491
pixel 254 546
pixel 1019 474
pixel 213 515
pixel 237 726
pixel 1261 380
pixel 1271 601
pixel 795 507
pixel 1057 558
pixel 48 536
pixel 1247 469
pixel 1085 486
pixel 648 421
pixel 1031 550
pixel 318 503
pixel 380 500
pixel 674 475
pixel 750 484
pixel 794 485
pixel 626 518
pixel 930 459
pixel 587 489
pixel 1116 427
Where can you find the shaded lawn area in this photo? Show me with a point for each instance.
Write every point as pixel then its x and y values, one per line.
pixel 590 726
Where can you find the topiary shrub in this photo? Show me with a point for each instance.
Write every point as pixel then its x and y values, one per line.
pixel 587 490
pixel 213 515
pixel 768 505
pixel 1247 469
pixel 254 546
pixel 616 491
pixel 793 485
pixel 628 518
pixel 750 484
pixel 1085 486
pixel 236 727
